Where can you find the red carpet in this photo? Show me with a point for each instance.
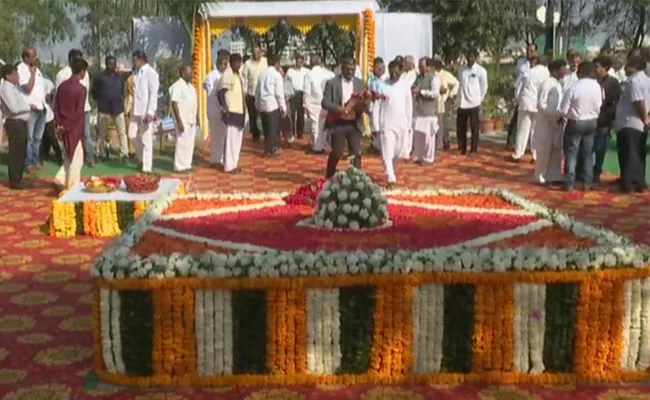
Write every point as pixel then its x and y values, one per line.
pixel 45 289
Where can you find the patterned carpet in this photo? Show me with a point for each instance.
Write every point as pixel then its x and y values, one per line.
pixel 45 289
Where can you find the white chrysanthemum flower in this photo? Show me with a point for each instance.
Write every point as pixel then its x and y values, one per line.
pixel 354 225
pixel 364 214
pixel 354 195
pixel 347 208
pixel 373 220
pixel 345 182
pixel 342 195
pixel 331 206
pixel 367 203
pixel 359 186
pixel 342 219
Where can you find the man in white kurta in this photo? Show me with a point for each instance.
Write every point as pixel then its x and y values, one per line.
pixel 185 107
pixel 425 118
pixel 409 76
pixel 548 130
pixel 313 96
pixel 396 116
pixel 527 96
pixel 215 122
pixel 143 114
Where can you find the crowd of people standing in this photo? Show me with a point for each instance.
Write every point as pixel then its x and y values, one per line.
pixel 568 110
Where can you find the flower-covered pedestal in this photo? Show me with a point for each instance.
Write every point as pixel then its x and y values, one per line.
pixel 471 285
pixel 80 212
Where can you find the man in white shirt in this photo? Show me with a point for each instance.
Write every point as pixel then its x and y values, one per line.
pixel 523 66
pixel 270 101
pixel 425 122
pixel 185 107
pixel 313 96
pixel 527 98
pixel 31 82
pixel 49 136
pixel 250 73
pixel 63 75
pixel 395 119
pixel 338 70
pixel 633 124
pixel 377 83
pixel 581 106
pixel 296 75
pixel 473 87
pixel 548 131
pixel 16 112
pixel 216 123
pixel 145 104
pixel 409 75
pixel 574 59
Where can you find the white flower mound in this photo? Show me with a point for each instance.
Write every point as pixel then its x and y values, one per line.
pixel 351 200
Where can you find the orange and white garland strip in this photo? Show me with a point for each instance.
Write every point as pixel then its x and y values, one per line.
pixel 371 48
pixel 197 55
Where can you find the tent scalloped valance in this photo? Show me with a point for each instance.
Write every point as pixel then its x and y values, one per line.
pixel 262 25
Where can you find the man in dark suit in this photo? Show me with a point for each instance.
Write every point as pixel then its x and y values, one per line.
pixel 345 124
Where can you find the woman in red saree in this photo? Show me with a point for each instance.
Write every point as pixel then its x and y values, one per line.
pixel 69 116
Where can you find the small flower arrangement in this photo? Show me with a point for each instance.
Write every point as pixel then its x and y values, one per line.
pixel 358 103
pixel 351 200
pixel 96 184
pixel 142 183
pixel 307 194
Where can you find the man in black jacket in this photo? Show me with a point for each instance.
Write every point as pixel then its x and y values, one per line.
pixel 611 93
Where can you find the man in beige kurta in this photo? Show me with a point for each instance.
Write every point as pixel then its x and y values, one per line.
pixel 448 90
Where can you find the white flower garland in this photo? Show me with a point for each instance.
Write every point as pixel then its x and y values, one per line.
pixel 643 362
pixel 610 251
pixel 107 345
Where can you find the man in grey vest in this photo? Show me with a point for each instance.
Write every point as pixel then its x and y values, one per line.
pixel 425 121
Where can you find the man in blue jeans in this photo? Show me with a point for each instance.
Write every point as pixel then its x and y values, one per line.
pixel 611 92
pixel 33 88
pixel 581 107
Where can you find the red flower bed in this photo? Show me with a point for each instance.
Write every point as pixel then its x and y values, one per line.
pixel 307 194
pixel 413 228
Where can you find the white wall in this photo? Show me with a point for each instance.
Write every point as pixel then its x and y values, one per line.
pixel 404 34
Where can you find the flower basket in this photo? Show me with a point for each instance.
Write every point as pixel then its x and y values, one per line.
pixel 142 183
pixel 101 185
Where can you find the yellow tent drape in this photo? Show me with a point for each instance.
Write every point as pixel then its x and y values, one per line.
pixel 362 24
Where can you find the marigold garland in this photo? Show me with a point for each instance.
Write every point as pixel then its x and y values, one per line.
pixel 369 18
pixel 94 218
pixel 358 36
pixel 196 56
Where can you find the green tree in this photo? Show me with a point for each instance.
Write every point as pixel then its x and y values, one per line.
pixel 627 20
pixel 32 23
pixel 186 11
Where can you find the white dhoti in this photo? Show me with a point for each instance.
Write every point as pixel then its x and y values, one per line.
pixel 525 132
pixel 144 143
pixel 184 150
pixel 407 145
pixel 425 131
pixel 69 174
pixel 217 139
pixel 392 142
pixel 234 137
pixel 318 138
pixel 374 123
pixel 548 146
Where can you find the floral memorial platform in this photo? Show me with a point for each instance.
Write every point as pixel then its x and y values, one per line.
pixel 339 283
pixel 103 214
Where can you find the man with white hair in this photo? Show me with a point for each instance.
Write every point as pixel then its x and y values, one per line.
pixel 217 126
pixel 313 96
pixel 425 120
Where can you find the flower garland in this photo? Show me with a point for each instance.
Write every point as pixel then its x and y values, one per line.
pixel 95 218
pixel 197 56
pixel 369 18
pixel 378 349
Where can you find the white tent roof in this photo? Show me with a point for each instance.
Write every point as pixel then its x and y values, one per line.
pixel 246 9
